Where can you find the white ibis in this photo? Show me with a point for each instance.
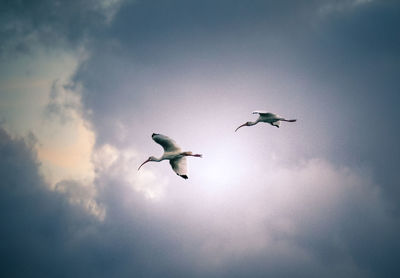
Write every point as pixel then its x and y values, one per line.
pixel 173 153
pixel 266 117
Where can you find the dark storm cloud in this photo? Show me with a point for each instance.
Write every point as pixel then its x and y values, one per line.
pixel 50 23
pixel 350 63
pixel 44 235
pixel 354 54
pixel 35 222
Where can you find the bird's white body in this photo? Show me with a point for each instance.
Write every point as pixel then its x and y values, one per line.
pixel 266 117
pixel 173 153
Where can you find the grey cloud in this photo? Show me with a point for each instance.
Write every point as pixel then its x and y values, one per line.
pixel 151 42
pixel 337 73
pixel 44 235
pixel 35 222
pixel 156 67
pixel 63 103
pixel 52 24
pixel 321 230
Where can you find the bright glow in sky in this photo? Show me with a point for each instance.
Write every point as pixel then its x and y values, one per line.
pixel 64 148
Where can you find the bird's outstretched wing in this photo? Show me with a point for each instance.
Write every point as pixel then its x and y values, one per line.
pixel 179 166
pixel 265 114
pixel 167 143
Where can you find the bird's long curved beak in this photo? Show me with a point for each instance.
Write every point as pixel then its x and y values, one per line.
pixel 240 126
pixel 143 164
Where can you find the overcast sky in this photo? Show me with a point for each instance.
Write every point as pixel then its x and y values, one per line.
pixel 84 84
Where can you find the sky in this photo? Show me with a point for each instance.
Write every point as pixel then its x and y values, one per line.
pixel 84 84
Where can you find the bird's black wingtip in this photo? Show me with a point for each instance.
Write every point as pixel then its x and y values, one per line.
pixel 154 134
pixel 183 176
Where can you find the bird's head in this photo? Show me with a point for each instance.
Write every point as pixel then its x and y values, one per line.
pixel 151 158
pixel 245 124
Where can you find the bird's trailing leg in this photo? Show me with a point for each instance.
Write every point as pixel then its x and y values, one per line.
pixel 191 154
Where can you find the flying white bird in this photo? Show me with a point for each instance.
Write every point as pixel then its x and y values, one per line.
pixel 173 153
pixel 266 117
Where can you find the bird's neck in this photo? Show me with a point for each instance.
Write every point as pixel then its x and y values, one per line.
pixel 159 159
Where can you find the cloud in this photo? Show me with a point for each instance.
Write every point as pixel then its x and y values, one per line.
pixel 314 210
pixel 191 70
pixel 341 6
pixel 332 212
pixel 81 195
pixel 36 222
pixel 64 103
pixel 25 25
pixel 120 165
pixel 192 77
pixel 312 220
